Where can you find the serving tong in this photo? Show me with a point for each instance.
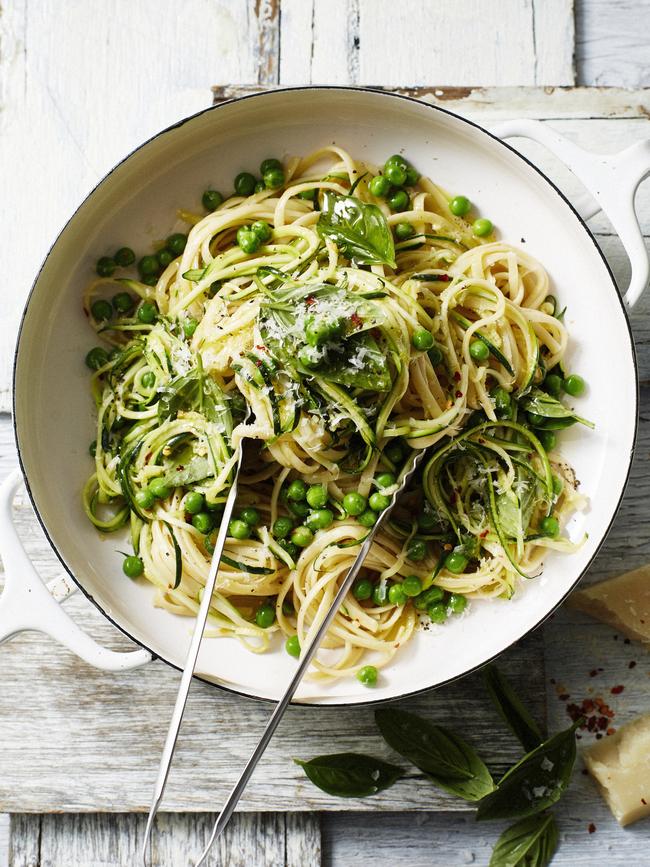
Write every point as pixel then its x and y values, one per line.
pixel 306 657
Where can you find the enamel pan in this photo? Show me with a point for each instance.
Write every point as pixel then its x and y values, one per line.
pixel 136 203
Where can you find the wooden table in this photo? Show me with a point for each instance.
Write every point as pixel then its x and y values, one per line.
pixel 80 748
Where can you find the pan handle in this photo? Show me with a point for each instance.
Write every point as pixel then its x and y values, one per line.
pixel 27 603
pixel 612 180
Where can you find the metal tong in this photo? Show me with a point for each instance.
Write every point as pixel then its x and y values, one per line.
pixel 305 659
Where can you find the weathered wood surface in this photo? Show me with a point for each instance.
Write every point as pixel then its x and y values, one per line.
pixel 100 840
pixel 609 46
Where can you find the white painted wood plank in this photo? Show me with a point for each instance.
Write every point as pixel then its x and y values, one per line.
pixel 103 840
pixel 612 42
pixel 505 43
pixel 317 42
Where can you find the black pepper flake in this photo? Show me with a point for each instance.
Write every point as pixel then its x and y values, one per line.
pixel 591 828
pixel 631 663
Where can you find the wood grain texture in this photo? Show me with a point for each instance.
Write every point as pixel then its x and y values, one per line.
pixel 396 44
pixel 101 840
pixel 612 43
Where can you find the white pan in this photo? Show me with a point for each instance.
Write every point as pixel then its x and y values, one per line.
pixel 135 204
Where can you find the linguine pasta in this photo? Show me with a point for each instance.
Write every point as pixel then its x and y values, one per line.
pixel 336 318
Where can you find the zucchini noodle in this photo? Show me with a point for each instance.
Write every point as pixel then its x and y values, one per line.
pixel 358 316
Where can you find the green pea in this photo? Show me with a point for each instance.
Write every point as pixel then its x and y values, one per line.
pixel 367 675
pixel 427 518
pixel 148 266
pixel 273 179
pixel 550 527
pixel 367 519
pixel 291 549
pixel 194 502
pixel 379 186
pixel 412 176
pixel 251 516
pixel 482 227
pixel 399 201
pixel 558 485
pixel 262 229
pixel 124 257
pixel 396 595
pixel 150 280
pixel 378 502
pixel 202 522
pixel 96 358
pixel 297 490
pixel 211 200
pixel 354 503
pixel 300 510
pixel 147 312
pixel 317 496
pixel 417 550
pixel 437 613
pixel 380 593
pixel 209 543
pixel 260 187
pixel 385 480
pixel 429 597
pixel 457 603
pixel 411 585
pixel 292 646
pixel 502 402
pixel 321 519
pixel 148 379
pixel 309 195
pixel 113 354
pixel 309 357
pixel 165 257
pixel 435 355
pixel 302 536
pixel 268 164
pixel 548 439
pixel 247 240
pixel 479 351
pixel 422 339
pixel 189 326
pixel 239 529
pixel 101 310
pixel 318 332
pixel 574 385
pixel 395 170
pixel 265 616
pixel 105 266
pixel 535 419
pixel 362 589
pixel 159 488
pixel 395 452
pixel 282 527
pixel 553 384
pixel 144 498
pixel 403 231
pixel 244 184
pixel 395 174
pixel 92 449
pixel 459 206
pixel 123 302
pixel 456 562
pixel 132 567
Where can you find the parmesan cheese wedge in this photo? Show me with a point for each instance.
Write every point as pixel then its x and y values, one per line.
pixel 622 602
pixel 620 764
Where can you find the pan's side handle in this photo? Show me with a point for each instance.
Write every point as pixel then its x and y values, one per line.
pixel 612 180
pixel 27 603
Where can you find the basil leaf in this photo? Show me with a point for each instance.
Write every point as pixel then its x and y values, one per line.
pixel 534 783
pixel 359 230
pixel 195 392
pixel 511 709
pixel 543 404
pixel 195 470
pixel 350 775
pixel 446 759
pixel 530 843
